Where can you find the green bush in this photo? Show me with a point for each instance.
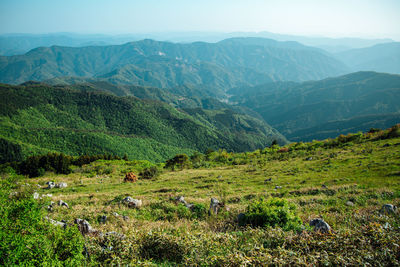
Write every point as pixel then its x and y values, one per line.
pixel 150 172
pixel 26 239
pixel 271 213
pixel 199 211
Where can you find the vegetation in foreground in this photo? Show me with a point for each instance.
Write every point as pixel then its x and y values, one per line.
pixel 277 191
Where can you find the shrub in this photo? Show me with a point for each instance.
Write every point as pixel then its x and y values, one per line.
pixel 149 173
pixel 162 247
pixel 199 211
pixel 26 238
pixel 271 213
pixel 179 161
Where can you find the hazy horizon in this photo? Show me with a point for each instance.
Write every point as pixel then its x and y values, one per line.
pixel 339 19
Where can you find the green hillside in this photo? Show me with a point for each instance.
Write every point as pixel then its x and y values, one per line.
pixel 268 199
pixel 41 118
pixel 302 111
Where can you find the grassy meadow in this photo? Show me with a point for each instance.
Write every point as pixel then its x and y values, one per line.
pixel 345 181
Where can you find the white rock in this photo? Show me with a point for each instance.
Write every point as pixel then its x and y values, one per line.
pixel 320 225
pixel 132 203
pixel 388 209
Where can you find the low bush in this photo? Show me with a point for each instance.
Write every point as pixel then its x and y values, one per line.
pixel 150 173
pixel 271 213
pixel 26 238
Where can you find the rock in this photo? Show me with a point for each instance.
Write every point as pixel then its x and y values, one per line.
pixel 349 203
pixel 50 185
pixel 115 234
pixel 268 180
pixel 219 176
pixel 36 195
pixel 182 200
pixel 103 219
pixel 84 227
pixel 278 187
pixel 50 207
pixel 130 177
pixel 309 158
pixel 132 203
pixel 214 205
pixel 47 195
pixel 62 204
pixel 56 223
pixel 61 185
pixel 388 209
pixel 320 225
pixel 324 186
pixel 126 218
pixel 115 214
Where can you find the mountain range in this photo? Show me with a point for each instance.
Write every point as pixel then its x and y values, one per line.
pixel 226 64
pixel 152 99
pixel 303 111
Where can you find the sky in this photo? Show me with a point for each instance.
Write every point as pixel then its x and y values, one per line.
pixel 331 18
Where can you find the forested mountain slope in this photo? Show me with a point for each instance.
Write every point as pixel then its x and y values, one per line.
pixel 301 110
pixel 41 118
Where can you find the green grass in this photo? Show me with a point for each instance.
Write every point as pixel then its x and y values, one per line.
pixel 366 173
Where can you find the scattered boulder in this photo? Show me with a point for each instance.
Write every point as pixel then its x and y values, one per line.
pixel 50 207
pixel 103 219
pixel 182 200
pixel 309 158
pixel 324 186
pixel 214 206
pixel 268 180
pixel 388 209
pixel 132 203
pixel 61 185
pixel 320 225
pixel 130 177
pixel 349 203
pixel 50 185
pixel 278 187
pixel 219 176
pixel 62 204
pixel 56 223
pixel 36 195
pixel 84 227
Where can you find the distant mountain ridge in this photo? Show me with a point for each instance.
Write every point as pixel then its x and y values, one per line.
pixel 380 58
pixel 297 110
pixel 17 44
pixel 223 65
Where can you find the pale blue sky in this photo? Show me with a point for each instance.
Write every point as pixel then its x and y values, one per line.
pixel 335 18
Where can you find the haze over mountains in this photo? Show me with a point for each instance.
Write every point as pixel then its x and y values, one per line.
pixel 239 94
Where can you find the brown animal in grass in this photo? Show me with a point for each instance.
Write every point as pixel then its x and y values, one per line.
pixel 130 177
pixel 283 150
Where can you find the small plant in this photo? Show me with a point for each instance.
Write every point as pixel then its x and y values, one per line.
pixel 271 213
pixel 150 173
